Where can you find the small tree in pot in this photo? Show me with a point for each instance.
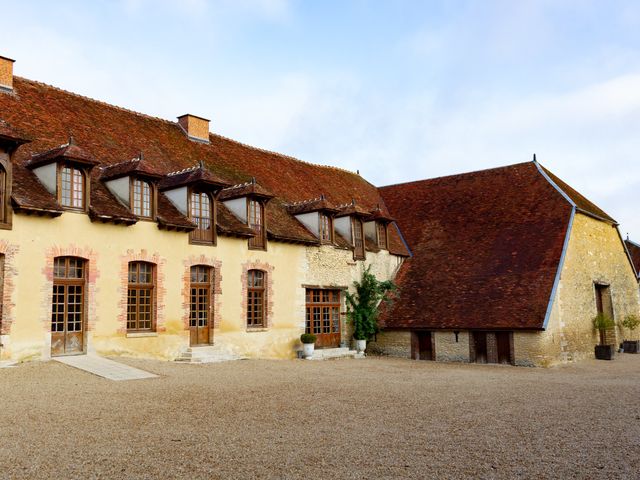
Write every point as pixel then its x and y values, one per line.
pixel 631 322
pixel 308 344
pixel 362 306
pixel 603 322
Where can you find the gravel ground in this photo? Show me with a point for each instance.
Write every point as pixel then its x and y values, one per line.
pixel 372 418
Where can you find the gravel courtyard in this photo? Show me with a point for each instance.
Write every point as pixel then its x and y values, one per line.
pixel 372 418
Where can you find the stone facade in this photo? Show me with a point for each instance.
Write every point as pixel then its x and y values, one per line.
pixel 595 255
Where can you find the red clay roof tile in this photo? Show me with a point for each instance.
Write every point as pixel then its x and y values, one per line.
pixel 486 248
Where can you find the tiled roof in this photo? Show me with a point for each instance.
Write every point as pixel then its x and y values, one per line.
pixel 68 151
pixel 634 252
pixel 113 134
pixel 486 248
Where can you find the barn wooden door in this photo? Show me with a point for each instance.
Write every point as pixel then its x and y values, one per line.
pixel 68 306
pixel 201 307
pixel 422 346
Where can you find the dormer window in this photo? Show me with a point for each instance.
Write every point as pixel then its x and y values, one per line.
pixel 201 213
pixel 358 238
pixel 141 198
pixel 326 228
pixel 381 229
pixel 71 187
pixel 255 217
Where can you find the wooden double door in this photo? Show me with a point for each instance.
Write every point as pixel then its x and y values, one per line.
pixel 323 316
pixel 492 347
pixel 68 306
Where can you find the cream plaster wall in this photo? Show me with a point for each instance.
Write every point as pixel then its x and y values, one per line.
pixel 109 247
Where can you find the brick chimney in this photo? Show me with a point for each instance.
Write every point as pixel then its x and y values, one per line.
pixel 196 128
pixel 6 73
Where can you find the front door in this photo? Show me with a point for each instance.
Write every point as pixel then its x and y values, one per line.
pixel 68 306
pixel 200 306
pixel 323 316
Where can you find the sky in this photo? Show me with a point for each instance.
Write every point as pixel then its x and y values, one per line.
pixel 399 90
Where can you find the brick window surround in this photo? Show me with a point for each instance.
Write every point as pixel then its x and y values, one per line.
pixel 160 290
pixel 268 314
pixel 216 283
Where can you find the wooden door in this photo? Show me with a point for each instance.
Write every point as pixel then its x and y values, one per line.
pixel 68 306
pixel 503 343
pixel 200 312
pixel 422 346
pixel 323 316
pixel 480 345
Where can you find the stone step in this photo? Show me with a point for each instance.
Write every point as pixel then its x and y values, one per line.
pixel 207 354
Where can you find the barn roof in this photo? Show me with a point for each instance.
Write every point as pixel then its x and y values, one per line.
pixel 486 247
pixel 113 136
pixel 634 252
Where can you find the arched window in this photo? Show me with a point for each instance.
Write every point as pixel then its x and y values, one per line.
pixel 71 188
pixel 201 213
pixel 256 298
pixel 141 297
pixel 141 198
pixel 201 305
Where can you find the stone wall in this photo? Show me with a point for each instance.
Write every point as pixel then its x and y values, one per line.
pixel 595 255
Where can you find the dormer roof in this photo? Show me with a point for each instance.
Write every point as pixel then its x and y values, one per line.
pixel 320 204
pixel 352 209
pixel 68 151
pixel 247 189
pixel 379 215
pixel 198 175
pixel 7 132
pixel 137 166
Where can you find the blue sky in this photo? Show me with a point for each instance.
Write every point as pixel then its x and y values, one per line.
pixel 399 90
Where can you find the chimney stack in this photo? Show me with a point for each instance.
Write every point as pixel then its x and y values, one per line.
pixel 6 73
pixel 196 128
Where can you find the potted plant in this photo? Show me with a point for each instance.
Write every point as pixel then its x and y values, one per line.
pixel 603 322
pixel 631 322
pixel 308 344
pixel 362 306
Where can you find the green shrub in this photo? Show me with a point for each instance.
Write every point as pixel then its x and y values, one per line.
pixel 308 338
pixel 631 322
pixel 603 322
pixel 362 306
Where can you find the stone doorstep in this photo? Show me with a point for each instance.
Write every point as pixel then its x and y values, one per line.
pixel 332 353
pixel 207 354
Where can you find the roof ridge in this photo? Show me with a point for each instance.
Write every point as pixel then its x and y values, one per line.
pixel 170 122
pixel 101 102
pixel 134 159
pixel 482 170
pixel 284 155
pixel 304 202
pixel 184 170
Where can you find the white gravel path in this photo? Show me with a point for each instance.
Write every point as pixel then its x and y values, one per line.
pixel 371 418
